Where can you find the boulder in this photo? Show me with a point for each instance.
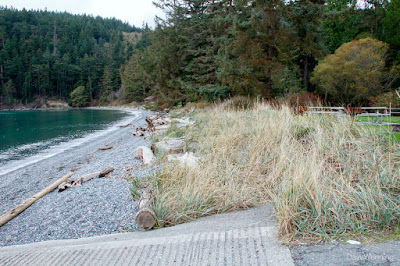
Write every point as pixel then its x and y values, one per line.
pixel 187 159
pixel 170 145
pixel 145 154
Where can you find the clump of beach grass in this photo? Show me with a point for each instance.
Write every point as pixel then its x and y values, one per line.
pixel 326 176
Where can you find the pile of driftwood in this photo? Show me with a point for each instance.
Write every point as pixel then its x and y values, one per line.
pixel 158 123
pixel 79 181
pixel 62 184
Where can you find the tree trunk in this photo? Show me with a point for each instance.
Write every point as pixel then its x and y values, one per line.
pixel 146 217
pixel 90 89
pixel 24 205
pixel 305 73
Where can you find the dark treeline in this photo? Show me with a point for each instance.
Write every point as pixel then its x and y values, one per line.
pixel 211 49
pixel 48 54
pixel 206 50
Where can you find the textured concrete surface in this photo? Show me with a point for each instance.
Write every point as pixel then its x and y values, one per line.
pixel 345 254
pixel 239 238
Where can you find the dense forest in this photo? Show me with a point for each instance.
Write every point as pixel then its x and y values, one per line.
pixel 211 49
pixel 340 51
pixel 47 54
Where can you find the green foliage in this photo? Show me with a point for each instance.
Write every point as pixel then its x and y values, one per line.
pixel 214 93
pixel 8 92
pixel 392 28
pixel 355 72
pixel 79 97
pixel 47 53
pixel 385 99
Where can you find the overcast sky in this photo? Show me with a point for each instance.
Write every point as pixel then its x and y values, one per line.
pixel 135 12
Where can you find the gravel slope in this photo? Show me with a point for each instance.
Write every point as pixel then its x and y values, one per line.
pixel 100 206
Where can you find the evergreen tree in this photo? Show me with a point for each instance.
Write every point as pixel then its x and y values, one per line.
pixel 58 50
pixel 306 18
pixel 392 29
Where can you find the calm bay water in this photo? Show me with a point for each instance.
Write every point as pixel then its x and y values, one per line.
pixel 27 133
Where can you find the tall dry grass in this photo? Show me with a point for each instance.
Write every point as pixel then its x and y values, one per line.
pixel 324 176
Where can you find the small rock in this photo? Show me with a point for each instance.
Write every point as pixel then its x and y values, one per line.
pixel 353 242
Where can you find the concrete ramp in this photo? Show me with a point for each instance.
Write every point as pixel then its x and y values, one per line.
pixel 239 238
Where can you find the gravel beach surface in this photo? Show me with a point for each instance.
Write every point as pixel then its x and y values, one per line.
pixel 97 207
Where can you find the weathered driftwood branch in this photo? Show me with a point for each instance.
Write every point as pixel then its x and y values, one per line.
pixel 24 205
pixel 105 148
pixel 146 217
pixel 106 171
pixel 149 122
pixel 127 125
pixel 69 183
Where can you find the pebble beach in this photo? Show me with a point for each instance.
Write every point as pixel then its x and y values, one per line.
pixel 98 207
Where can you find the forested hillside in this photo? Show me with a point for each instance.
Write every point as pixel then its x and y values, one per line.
pixel 340 51
pixel 47 54
pixel 211 49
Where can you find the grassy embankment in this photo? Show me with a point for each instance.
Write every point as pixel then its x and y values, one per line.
pixel 391 119
pixel 325 177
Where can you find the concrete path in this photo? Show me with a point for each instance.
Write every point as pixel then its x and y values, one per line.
pixel 344 254
pixel 238 238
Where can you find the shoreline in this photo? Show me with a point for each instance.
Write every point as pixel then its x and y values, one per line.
pixel 65 146
pixel 101 206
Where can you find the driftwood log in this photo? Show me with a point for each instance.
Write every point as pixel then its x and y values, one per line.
pixel 69 183
pixel 24 205
pixel 105 148
pixel 149 122
pixel 146 217
pixel 127 125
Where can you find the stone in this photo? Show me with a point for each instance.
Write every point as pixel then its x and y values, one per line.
pixel 353 242
pixel 170 145
pixel 187 159
pixel 145 154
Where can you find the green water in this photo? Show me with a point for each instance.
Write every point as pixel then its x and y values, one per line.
pixel 26 133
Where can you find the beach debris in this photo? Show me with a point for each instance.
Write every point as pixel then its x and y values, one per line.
pixel 145 154
pixel 105 148
pixel 187 159
pixel 353 242
pixel 163 127
pixel 149 123
pixel 75 169
pixel 170 145
pixel 146 217
pixel 158 122
pixel 65 185
pixel 139 131
pixel 79 181
pixel 24 205
pixel 127 125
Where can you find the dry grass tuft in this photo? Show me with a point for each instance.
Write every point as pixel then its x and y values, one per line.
pixel 324 176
